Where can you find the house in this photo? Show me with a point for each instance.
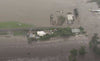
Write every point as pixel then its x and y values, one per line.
pixel 70 18
pixel 41 33
pixel 76 31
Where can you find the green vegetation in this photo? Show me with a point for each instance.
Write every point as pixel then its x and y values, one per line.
pixel 82 50
pixel 13 24
pixel 46 37
pixel 62 32
pixel 73 54
pixel 93 44
pixel 61 20
pixel 82 30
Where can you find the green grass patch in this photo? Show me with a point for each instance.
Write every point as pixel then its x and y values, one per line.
pixel 13 24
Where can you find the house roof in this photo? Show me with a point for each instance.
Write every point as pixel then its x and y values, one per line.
pixel 41 33
pixel 70 17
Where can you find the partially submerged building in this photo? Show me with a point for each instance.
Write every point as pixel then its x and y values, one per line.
pixel 70 18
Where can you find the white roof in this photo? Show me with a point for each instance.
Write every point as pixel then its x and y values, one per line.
pixel 41 33
pixel 75 30
pixel 70 17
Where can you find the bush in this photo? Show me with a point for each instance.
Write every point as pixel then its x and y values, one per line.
pixel 61 20
pixel 81 28
pixel 93 44
pixel 82 50
pixel 73 55
pixel 46 37
pixel 96 50
pixel 73 52
pixel 71 58
pixel 64 32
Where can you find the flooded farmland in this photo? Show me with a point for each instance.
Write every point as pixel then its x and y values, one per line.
pixel 33 11
pixel 38 12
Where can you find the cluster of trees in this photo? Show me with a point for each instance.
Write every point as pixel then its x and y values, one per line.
pixel 74 53
pixel 46 37
pixel 82 30
pixel 62 32
pixel 94 44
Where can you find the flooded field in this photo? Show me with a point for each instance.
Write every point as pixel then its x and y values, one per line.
pixel 33 11
pixel 37 12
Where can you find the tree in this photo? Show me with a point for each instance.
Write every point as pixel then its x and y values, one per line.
pixel 45 37
pixel 73 52
pixel 61 20
pixel 93 44
pixel 94 41
pixel 82 50
pixel 82 30
pixel 64 32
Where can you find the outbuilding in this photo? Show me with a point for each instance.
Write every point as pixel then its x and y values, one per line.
pixel 76 31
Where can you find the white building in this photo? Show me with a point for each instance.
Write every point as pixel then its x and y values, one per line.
pixel 41 33
pixel 70 18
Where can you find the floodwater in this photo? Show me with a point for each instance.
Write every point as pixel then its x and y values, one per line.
pixel 18 48
pixel 35 12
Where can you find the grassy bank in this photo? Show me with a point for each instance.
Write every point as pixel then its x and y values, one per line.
pixel 13 24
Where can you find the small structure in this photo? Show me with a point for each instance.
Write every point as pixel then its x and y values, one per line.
pixel 41 33
pixel 76 31
pixel 70 18
pixel 31 35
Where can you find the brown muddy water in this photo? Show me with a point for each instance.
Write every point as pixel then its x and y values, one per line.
pixel 33 11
